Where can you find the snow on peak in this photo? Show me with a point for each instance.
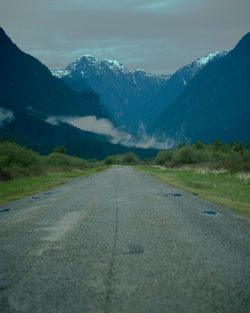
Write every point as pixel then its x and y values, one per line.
pixel 204 60
pixel 59 72
pixel 113 62
pixel 115 65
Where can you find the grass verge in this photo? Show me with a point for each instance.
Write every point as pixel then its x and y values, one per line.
pixel 229 190
pixel 22 187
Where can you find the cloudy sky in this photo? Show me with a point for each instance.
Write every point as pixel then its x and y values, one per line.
pixel 159 36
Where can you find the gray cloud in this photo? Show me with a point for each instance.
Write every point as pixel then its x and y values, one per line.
pixel 116 135
pixel 157 35
pixel 6 116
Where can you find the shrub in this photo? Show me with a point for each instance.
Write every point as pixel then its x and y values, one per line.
pixel 113 160
pixel 199 145
pixel 238 146
pixel 189 155
pixel 164 157
pixel 217 145
pixel 63 160
pixel 60 149
pixel 130 158
pixel 14 155
pixel 241 164
pixel 180 145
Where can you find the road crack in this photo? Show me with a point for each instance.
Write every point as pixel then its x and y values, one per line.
pixel 112 263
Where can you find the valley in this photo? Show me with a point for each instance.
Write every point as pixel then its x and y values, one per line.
pixel 97 107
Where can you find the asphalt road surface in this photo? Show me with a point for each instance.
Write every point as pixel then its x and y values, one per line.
pixel 122 241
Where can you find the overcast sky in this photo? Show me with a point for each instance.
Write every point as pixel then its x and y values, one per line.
pixel 159 36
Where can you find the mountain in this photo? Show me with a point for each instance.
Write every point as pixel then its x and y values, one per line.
pixel 215 103
pixel 27 84
pixel 178 81
pixel 134 98
pixel 31 98
pixel 123 93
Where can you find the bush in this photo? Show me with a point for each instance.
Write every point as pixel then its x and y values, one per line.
pixel 14 155
pixel 164 157
pixel 17 161
pixel 239 165
pixel 60 149
pixel 130 158
pixel 217 145
pixel 113 160
pixel 63 160
pixel 217 155
pixel 199 145
pixel 189 155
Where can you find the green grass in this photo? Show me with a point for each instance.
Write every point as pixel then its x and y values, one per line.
pixel 22 187
pixel 224 188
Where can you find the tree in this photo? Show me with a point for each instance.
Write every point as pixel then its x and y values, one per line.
pixel 60 149
pixel 199 145
pixel 182 144
pixel 130 158
pixel 238 146
pixel 12 139
pixel 217 145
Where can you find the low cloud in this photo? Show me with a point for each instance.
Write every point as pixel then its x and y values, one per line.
pixel 115 134
pixel 5 116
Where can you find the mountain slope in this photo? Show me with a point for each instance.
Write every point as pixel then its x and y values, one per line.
pixel 174 86
pixel 27 84
pixel 122 92
pixel 215 104
pixel 43 137
pixel 30 95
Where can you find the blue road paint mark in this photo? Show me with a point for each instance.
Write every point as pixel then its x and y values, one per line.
pixel 4 210
pixel 209 212
pixel 175 194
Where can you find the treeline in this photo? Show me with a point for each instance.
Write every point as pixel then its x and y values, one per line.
pixel 234 157
pixel 17 161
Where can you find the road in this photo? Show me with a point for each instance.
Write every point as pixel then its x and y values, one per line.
pixel 122 241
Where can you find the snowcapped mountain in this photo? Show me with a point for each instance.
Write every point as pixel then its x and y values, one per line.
pixel 211 56
pixel 122 92
pixel 81 67
pixel 215 103
pixel 174 86
pixel 133 98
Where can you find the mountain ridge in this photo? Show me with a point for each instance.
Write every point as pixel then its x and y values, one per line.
pixel 134 98
pixel 122 92
pixel 215 104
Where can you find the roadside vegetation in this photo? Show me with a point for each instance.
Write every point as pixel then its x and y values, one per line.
pixel 24 172
pixel 233 158
pixel 225 188
pixel 216 172
pixel 128 158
